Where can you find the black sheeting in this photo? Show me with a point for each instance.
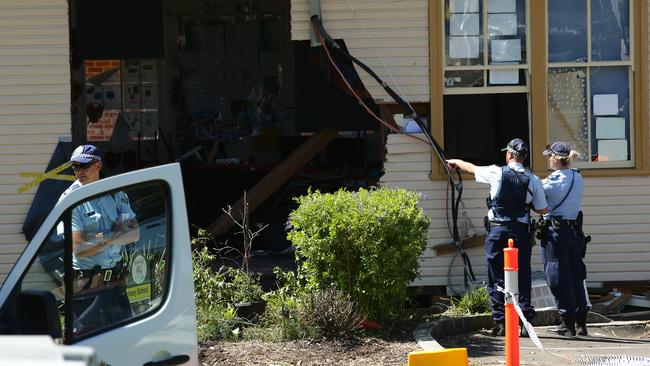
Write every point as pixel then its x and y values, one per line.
pixel 48 191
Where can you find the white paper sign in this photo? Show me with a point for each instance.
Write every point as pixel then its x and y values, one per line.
pixel 612 150
pixel 610 128
pixel 506 50
pixel 502 24
pixel 504 77
pixel 463 6
pixel 463 47
pixel 605 104
pixel 502 6
pixel 464 25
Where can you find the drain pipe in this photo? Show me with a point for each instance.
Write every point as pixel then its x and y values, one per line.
pixel 314 9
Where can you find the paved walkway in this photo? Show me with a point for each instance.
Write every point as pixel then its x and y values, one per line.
pixel 613 339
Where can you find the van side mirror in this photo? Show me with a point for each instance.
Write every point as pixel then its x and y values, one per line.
pixel 38 314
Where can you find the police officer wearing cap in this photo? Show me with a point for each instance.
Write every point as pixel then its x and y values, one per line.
pixel 563 241
pixel 100 227
pixel 513 192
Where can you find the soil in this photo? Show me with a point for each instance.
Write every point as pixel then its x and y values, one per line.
pixel 368 351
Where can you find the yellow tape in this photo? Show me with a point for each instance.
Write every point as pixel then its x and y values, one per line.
pixel 39 177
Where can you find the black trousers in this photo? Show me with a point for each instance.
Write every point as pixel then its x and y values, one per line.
pixel 565 270
pixel 495 241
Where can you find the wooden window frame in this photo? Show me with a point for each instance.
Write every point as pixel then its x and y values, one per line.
pixel 538 56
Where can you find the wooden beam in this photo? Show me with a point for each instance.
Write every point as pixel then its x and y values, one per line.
pixel 275 179
pixel 475 241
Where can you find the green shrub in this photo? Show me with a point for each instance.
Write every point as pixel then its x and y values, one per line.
pixel 366 243
pixel 475 301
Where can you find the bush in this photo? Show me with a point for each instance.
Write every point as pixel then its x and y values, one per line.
pixel 475 301
pixel 366 243
pixel 331 313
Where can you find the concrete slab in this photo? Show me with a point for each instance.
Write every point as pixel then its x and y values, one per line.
pixel 604 339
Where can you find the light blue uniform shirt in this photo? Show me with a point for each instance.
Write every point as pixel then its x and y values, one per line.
pixel 556 186
pixel 492 175
pixel 96 216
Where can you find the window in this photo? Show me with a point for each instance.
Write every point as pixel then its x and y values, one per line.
pixel 485 46
pixel 124 280
pixel 590 80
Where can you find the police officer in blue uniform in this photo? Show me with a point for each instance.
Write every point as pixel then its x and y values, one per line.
pixel 563 241
pixel 513 192
pixel 100 228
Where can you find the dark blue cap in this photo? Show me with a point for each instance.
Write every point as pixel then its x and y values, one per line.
pixel 558 148
pixel 517 146
pixel 86 154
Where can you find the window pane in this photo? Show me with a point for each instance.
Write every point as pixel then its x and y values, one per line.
pixel 567 108
pixel 610 30
pixel 464 78
pixel 127 276
pixel 507 31
pixel 463 32
pixel 567 30
pixel 610 121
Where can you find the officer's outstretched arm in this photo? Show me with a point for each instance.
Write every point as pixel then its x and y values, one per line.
pixel 462 165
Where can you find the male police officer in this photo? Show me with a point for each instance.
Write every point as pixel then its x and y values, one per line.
pixel 563 241
pixel 513 191
pixel 100 227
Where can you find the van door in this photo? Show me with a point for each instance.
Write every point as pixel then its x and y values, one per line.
pixel 137 307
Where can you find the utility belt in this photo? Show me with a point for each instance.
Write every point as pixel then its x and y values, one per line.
pixel 99 277
pixel 487 223
pixel 557 221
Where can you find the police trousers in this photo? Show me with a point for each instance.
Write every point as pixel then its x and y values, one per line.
pixel 565 270
pixel 495 241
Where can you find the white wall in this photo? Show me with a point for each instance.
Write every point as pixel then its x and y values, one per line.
pixel 617 216
pixel 34 106
pixel 397 32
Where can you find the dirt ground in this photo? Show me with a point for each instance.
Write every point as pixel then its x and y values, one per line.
pixel 368 351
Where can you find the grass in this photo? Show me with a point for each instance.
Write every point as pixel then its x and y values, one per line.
pixel 475 301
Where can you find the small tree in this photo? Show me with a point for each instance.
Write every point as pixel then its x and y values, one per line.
pixel 366 243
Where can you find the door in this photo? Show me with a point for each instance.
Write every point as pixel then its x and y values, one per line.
pixel 125 288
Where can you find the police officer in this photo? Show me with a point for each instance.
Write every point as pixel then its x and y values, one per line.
pixel 100 227
pixel 513 191
pixel 563 242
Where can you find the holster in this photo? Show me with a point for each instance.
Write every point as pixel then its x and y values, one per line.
pixel 531 232
pixel 486 224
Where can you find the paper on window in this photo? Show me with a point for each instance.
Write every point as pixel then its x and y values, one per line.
pixel 463 47
pixel 610 128
pixel 464 6
pixel 612 150
pixel 605 104
pixel 464 25
pixel 506 50
pixel 504 77
pixel 502 24
pixel 502 6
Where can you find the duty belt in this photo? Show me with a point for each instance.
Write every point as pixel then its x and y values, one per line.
pixel 105 275
pixel 507 223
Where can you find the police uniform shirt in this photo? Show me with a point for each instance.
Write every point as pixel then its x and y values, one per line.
pixel 492 175
pixel 556 186
pixel 96 216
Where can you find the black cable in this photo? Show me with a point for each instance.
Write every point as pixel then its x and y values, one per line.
pixel 457 187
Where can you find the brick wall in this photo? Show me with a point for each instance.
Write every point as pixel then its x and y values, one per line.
pixel 101 130
pixel 94 67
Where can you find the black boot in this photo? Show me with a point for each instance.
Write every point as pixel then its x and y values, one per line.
pixel 499 329
pixel 581 322
pixel 568 327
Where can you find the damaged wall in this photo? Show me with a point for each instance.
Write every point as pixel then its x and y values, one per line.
pixel 397 32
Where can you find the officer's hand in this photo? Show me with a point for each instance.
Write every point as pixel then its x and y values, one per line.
pixel 452 163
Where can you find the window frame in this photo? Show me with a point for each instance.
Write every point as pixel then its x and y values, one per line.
pixel 538 67
pixel 485 66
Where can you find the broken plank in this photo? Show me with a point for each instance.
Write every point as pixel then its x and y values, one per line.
pixel 274 179
pixel 475 241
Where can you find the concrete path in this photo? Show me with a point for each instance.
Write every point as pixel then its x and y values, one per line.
pixel 618 338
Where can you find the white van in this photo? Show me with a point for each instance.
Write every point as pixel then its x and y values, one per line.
pixel 42 294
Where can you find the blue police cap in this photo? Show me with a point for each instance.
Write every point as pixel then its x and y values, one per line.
pixel 517 146
pixel 558 148
pixel 86 154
